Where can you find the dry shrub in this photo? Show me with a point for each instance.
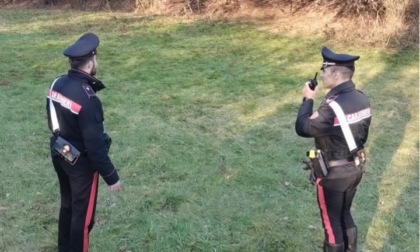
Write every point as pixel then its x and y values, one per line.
pixel 357 8
pixel 392 23
pixel 401 23
pixel 149 6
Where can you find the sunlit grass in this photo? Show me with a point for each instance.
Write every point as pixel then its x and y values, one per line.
pixel 202 117
pixel 401 170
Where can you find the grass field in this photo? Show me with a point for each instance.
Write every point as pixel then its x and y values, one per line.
pixel 202 116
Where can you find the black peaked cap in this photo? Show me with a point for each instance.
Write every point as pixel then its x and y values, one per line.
pixel 85 46
pixel 336 59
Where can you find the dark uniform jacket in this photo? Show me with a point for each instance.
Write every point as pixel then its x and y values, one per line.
pixel 80 117
pixel 323 125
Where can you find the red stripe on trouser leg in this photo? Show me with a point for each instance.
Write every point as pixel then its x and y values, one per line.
pixel 89 212
pixel 324 212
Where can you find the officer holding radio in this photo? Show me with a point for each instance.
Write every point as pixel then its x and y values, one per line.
pixel 340 128
pixel 79 145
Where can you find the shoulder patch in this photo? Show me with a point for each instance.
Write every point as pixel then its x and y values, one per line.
pixel 332 98
pixel 89 91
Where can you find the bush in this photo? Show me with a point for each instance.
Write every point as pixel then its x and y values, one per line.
pixel 390 22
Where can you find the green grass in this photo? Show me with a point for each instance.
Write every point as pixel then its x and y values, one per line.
pixel 202 117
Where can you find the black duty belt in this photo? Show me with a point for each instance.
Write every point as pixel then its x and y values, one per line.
pixel 340 162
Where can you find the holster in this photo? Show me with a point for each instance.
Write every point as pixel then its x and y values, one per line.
pixel 319 164
pixel 360 159
pixel 308 166
pixel 66 150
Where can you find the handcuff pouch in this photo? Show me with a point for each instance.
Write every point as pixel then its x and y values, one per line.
pixel 66 150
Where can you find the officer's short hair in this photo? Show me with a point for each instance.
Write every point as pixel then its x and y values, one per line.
pixel 78 63
pixel 346 71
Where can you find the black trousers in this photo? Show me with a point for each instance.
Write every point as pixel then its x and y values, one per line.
pixel 335 195
pixel 78 190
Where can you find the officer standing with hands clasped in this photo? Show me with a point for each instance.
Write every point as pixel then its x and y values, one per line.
pixel 340 127
pixel 79 145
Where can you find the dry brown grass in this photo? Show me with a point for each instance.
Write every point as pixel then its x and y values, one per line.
pixel 385 23
pixel 397 27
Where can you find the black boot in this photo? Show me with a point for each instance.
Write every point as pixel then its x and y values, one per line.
pixel 328 247
pixel 351 239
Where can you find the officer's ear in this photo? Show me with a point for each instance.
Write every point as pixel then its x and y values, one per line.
pixel 335 73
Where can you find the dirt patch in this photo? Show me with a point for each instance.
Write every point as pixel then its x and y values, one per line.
pixel 4 83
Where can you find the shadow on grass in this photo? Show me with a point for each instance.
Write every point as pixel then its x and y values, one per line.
pixel 392 174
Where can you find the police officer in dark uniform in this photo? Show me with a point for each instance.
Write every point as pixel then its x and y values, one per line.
pixel 83 145
pixel 336 190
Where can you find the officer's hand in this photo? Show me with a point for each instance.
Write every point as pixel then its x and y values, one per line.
pixel 115 187
pixel 308 92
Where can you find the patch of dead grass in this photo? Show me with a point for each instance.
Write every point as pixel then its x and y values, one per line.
pixel 397 28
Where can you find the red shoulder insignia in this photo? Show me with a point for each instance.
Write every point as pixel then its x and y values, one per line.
pixel 89 91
